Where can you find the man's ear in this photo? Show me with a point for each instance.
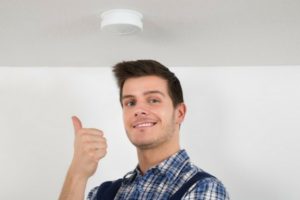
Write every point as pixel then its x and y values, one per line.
pixel 180 112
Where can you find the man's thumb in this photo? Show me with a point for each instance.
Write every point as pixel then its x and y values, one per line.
pixel 76 123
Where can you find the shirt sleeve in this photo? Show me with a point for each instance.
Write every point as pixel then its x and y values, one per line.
pixel 92 194
pixel 207 189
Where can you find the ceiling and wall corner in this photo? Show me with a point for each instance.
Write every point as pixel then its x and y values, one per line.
pixel 181 33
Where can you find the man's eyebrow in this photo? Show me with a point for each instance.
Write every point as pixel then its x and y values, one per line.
pixel 127 96
pixel 154 92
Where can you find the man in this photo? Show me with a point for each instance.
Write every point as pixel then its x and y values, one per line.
pixel 153 110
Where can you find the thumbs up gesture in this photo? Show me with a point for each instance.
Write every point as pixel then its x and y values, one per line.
pixel 89 147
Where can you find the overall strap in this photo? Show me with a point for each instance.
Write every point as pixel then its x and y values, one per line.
pixel 108 190
pixel 186 186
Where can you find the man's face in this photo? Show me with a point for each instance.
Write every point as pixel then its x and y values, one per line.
pixel 149 116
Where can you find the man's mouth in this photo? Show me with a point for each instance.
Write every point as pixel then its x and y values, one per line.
pixel 144 124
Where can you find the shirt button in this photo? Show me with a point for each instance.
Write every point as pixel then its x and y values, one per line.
pixel 139 188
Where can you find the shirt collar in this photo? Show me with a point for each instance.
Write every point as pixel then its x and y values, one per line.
pixel 170 167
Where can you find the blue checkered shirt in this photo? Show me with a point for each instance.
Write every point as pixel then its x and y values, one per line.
pixel 163 180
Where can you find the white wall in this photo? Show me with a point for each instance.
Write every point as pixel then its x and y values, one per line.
pixel 242 125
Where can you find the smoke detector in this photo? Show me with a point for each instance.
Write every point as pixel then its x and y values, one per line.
pixel 121 21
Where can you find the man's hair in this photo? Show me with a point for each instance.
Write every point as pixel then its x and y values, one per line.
pixel 139 68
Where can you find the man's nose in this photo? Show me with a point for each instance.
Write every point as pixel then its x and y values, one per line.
pixel 140 111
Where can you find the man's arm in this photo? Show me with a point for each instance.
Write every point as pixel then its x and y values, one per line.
pixel 73 188
pixel 89 147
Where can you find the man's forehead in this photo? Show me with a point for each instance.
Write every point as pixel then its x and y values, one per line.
pixel 144 85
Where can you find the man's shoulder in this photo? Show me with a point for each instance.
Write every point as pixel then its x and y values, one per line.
pixel 209 187
pixel 107 187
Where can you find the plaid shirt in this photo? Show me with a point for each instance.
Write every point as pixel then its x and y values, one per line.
pixel 163 180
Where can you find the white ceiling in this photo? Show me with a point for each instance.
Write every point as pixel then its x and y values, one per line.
pixel 177 33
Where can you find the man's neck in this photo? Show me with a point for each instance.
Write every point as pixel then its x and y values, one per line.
pixel 151 157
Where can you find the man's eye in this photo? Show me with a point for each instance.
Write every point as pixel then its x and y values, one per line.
pixel 154 101
pixel 130 103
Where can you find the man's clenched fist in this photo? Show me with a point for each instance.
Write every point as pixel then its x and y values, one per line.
pixel 89 147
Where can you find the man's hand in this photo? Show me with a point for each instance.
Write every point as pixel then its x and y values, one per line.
pixel 89 147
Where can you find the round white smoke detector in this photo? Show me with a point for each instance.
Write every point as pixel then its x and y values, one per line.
pixel 121 21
